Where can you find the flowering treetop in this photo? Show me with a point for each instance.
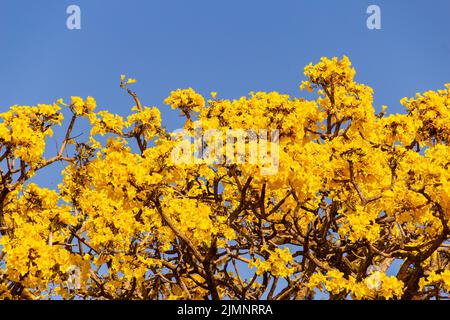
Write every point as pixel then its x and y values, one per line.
pixel 354 192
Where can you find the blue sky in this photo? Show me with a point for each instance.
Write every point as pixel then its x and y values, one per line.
pixel 232 47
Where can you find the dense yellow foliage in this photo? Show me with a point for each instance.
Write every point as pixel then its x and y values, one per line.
pixel 355 193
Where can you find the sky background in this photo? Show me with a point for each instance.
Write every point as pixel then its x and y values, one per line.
pixel 232 47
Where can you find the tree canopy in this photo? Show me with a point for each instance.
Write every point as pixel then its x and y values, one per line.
pixel 355 194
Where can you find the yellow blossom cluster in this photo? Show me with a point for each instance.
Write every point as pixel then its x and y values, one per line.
pixel 24 129
pixel 186 100
pixel 83 107
pixel 276 264
pixel 377 284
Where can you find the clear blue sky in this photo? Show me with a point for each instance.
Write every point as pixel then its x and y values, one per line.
pixel 232 47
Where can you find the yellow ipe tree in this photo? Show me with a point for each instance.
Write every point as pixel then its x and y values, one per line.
pixel 358 208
